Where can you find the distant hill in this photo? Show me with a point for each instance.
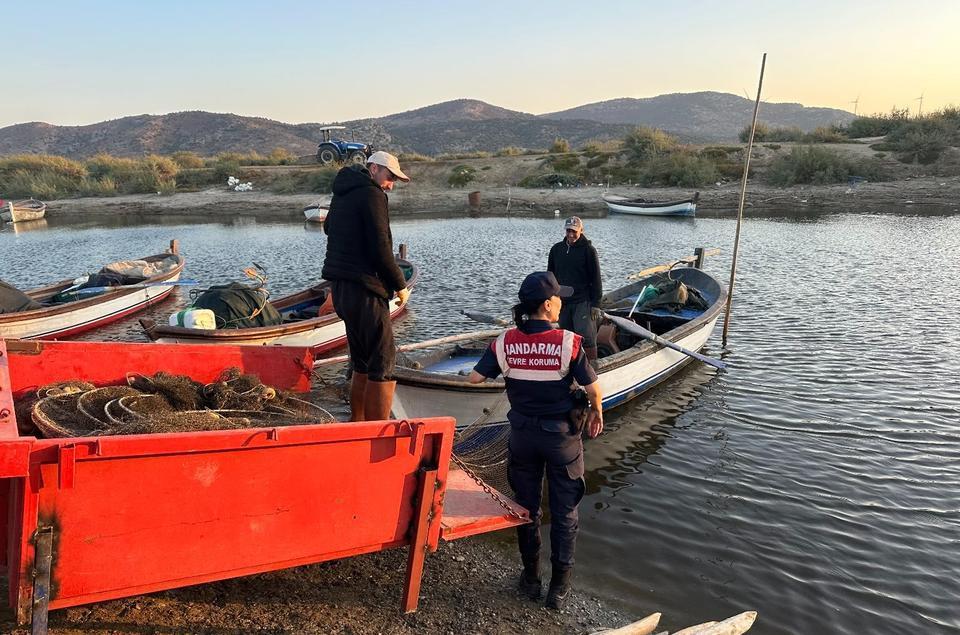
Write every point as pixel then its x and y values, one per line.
pixel 462 125
pixel 706 116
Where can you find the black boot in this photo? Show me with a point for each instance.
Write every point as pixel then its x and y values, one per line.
pixel 530 583
pixel 559 588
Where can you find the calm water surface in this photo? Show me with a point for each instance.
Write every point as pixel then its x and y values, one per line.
pixel 816 481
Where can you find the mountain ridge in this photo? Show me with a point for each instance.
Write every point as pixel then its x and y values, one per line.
pixel 459 125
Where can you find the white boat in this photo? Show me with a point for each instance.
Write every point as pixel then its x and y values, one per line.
pixel 435 384
pixel 315 213
pixel 309 319
pixel 18 211
pixel 60 319
pixel 642 207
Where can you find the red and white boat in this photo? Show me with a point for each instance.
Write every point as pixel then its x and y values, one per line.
pixel 308 316
pixel 57 320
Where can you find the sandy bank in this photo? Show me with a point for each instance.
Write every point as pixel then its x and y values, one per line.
pixel 932 192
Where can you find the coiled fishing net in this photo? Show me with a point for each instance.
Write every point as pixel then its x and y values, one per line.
pixel 167 403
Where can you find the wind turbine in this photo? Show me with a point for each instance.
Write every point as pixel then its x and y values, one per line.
pixel 919 107
pixel 855 103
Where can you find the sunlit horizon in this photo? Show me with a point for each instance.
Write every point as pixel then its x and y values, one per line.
pixel 298 63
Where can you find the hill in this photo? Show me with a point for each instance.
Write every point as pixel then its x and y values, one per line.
pixel 461 125
pixel 704 116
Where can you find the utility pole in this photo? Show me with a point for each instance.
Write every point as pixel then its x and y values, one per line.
pixel 920 107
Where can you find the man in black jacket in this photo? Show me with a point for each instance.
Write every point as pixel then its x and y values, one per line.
pixel 575 263
pixel 365 276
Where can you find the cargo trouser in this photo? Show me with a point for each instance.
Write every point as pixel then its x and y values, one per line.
pixel 539 445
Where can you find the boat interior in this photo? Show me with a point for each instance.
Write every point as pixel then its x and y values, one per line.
pixel 611 340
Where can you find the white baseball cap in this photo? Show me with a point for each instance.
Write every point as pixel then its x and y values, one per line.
pixel 390 162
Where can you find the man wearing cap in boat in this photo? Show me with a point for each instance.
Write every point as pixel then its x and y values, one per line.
pixel 539 364
pixel 575 263
pixel 365 276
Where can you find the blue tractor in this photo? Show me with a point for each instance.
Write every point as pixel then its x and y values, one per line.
pixel 332 150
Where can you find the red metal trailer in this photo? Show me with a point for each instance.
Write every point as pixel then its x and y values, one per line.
pixel 98 518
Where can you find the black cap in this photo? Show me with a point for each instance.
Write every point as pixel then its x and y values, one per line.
pixel 542 285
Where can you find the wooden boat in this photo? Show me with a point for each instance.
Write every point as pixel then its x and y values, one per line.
pixel 309 320
pixel 641 207
pixel 314 213
pixel 56 320
pixel 628 365
pixel 17 211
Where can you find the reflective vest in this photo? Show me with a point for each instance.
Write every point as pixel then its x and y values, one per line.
pixel 544 356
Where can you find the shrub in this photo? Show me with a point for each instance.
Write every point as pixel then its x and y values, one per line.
pixel 566 163
pixel 807 164
pixel 876 125
pixel 598 160
pixel 772 146
pixel 551 180
pixel 560 146
pixel 40 175
pixel 760 134
pixel 644 143
pixel 509 151
pixel 196 178
pixel 680 169
pixel 825 134
pixel 461 175
pixel 414 156
pixel 281 156
pixel 105 186
pixel 187 160
pixel 317 181
pixel 923 140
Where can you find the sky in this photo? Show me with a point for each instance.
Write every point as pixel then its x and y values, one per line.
pixel 317 61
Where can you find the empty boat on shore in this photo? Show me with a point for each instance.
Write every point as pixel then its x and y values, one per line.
pixel 628 366
pixel 642 207
pixel 67 308
pixel 315 213
pixel 18 211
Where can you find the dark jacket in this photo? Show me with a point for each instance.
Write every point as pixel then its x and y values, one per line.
pixel 577 266
pixel 359 242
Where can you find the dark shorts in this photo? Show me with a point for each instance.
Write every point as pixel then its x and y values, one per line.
pixel 369 332
pixel 576 318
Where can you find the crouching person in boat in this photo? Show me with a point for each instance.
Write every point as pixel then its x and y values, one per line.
pixel 539 364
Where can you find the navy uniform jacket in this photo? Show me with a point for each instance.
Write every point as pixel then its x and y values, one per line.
pixel 542 364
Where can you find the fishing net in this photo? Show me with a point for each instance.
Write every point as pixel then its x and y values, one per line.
pixel 166 403
pixel 482 448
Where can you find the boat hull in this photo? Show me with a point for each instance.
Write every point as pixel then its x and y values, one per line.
pixel 315 214
pixel 72 318
pixel 686 208
pixel 23 211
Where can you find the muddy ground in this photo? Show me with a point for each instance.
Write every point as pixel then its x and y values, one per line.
pixel 468 587
pixel 922 193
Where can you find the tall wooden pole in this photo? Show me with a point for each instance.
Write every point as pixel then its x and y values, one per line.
pixel 743 198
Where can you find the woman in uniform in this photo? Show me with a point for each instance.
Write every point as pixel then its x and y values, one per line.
pixel 539 364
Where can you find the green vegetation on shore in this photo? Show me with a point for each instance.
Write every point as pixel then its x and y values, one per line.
pixel 645 156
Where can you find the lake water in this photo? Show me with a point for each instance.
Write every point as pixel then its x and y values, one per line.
pixel 817 480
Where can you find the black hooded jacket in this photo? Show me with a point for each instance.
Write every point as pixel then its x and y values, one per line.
pixel 359 242
pixel 577 266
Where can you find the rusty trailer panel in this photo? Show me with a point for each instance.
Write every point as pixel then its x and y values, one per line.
pixel 134 514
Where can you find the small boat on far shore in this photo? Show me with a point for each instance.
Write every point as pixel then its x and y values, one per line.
pixel 643 207
pixel 17 211
pixel 315 213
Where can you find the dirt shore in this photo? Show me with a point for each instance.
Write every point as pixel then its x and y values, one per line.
pixel 715 201
pixel 468 587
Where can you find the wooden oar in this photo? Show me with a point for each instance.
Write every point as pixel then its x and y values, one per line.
pixel 485 318
pixel 124 287
pixel 450 339
pixel 686 260
pixel 636 329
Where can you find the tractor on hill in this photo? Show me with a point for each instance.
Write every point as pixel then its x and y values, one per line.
pixel 332 150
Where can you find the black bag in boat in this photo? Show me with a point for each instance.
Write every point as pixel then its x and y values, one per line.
pixel 13 300
pixel 238 306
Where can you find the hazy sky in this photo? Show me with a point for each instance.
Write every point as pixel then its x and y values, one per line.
pixel 75 63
